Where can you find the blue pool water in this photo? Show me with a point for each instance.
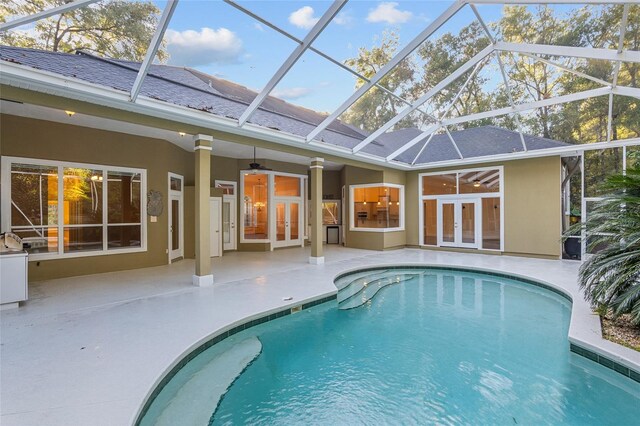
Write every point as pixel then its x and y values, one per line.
pixel 422 347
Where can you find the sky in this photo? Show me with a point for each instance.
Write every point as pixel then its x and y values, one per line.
pixel 215 38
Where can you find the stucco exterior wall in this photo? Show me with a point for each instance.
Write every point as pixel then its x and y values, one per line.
pixel 532 206
pixel 366 239
pixel 24 137
pixel 532 196
pixel 39 139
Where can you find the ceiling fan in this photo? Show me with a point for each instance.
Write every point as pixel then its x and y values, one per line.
pixel 256 166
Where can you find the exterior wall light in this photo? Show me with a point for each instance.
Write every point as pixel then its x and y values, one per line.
pixel 70 113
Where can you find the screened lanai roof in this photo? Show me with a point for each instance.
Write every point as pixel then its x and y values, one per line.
pixel 405 84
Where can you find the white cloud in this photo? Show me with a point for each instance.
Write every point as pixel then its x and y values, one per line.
pixel 290 93
pixel 204 47
pixel 388 12
pixel 343 18
pixel 258 27
pixel 303 18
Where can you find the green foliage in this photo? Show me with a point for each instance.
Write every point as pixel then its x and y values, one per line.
pixel 611 276
pixel 530 80
pixel 377 107
pixel 445 55
pixel 117 29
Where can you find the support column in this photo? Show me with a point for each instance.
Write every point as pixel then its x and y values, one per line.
pixel 317 254
pixel 203 146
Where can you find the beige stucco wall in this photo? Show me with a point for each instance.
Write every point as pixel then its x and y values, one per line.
pixel 331 185
pixel 39 139
pixel 532 200
pixel 532 209
pixel 24 137
pixel 363 239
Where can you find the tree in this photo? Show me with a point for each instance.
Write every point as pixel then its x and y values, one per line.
pixel 376 106
pixel 611 276
pixel 534 80
pixel 600 27
pixel 116 29
pixel 442 57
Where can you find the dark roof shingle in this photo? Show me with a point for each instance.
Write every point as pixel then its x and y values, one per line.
pixel 194 89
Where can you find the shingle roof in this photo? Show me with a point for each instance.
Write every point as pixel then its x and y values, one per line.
pixel 472 142
pixel 197 90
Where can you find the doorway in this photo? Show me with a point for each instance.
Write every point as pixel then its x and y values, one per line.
pixel 229 213
pixel 215 214
pixel 176 217
pixel 287 223
pixel 459 223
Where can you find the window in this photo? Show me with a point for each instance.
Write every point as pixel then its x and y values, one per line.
pixel 331 212
pixel 227 187
pixel 59 208
pixel 34 205
pixel 439 184
pixel 255 206
pixel 377 207
pixel 286 186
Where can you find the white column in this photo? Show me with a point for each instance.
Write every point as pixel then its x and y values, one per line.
pixel 317 254
pixel 203 146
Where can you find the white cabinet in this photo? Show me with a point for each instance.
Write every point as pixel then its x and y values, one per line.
pixel 13 278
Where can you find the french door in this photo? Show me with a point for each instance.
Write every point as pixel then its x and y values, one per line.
pixel 288 223
pixel 175 226
pixel 459 223
pixel 229 214
pixel 215 216
pixel 176 217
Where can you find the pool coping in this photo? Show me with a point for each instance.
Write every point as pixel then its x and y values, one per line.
pixel 219 335
pixel 581 343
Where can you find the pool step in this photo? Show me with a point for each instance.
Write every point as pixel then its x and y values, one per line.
pixel 356 285
pixel 369 290
pixel 201 392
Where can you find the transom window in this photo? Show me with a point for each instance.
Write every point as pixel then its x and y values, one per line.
pixel 59 208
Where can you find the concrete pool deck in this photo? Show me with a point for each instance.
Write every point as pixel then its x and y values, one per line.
pixel 88 350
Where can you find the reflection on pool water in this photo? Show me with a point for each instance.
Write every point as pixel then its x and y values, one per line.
pixel 414 347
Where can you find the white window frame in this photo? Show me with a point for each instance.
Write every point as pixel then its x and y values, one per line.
pixel 227 182
pixel 458 196
pixel 179 193
pixel 352 189
pixel 5 205
pixel 270 174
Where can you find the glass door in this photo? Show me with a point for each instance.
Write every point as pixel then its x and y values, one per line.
pixel 229 215
pixel 458 223
pixel 287 223
pixel 175 228
pixel 176 217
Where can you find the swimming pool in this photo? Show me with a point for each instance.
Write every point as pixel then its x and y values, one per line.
pixel 405 346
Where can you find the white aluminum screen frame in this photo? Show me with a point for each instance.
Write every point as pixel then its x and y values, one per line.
pixel 531 50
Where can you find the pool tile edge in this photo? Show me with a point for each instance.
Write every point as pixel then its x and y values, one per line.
pixel 218 336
